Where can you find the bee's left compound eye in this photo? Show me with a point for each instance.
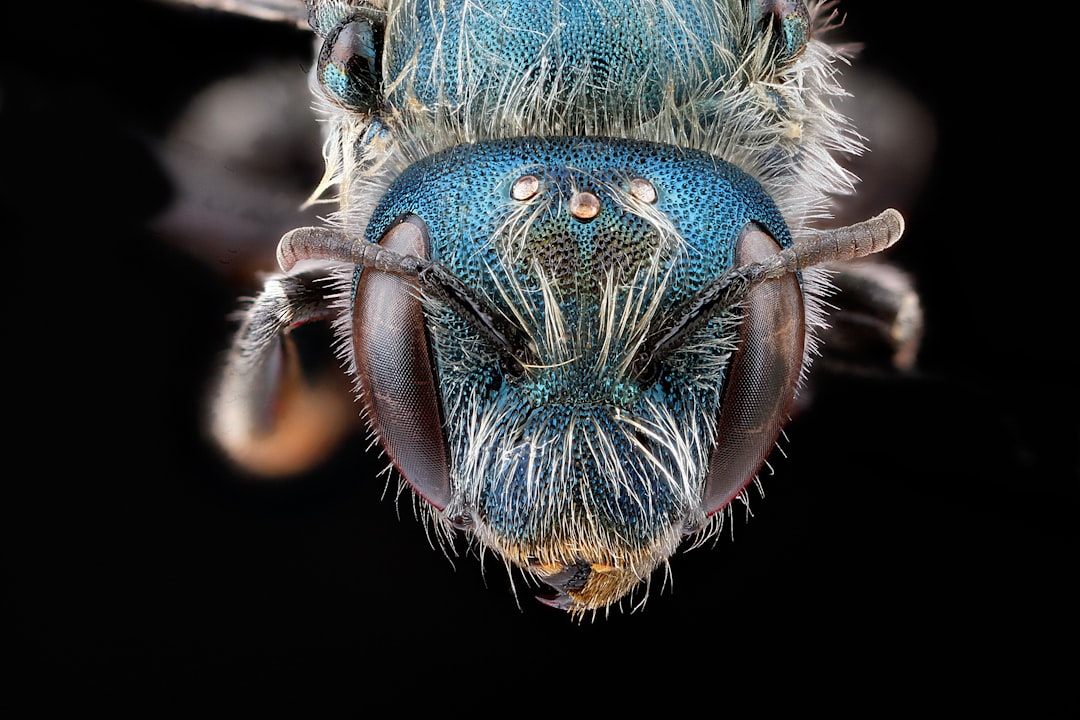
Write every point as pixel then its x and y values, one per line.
pixel 393 361
pixel 349 67
pixel 763 376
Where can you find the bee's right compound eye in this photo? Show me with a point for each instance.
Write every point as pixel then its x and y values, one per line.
pixel 393 362
pixel 349 67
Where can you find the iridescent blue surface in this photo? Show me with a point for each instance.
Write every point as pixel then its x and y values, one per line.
pixel 463 194
pixel 511 252
pixel 578 55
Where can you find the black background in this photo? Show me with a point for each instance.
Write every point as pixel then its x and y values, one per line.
pixel 916 548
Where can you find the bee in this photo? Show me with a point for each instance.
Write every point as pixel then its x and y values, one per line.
pixel 578 270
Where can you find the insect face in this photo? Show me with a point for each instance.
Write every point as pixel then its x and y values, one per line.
pixel 567 441
pixel 575 285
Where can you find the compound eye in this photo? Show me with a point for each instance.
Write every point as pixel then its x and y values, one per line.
pixel 393 361
pixel 349 64
pixel 762 379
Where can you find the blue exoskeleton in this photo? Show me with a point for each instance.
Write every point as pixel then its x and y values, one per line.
pixel 575 273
